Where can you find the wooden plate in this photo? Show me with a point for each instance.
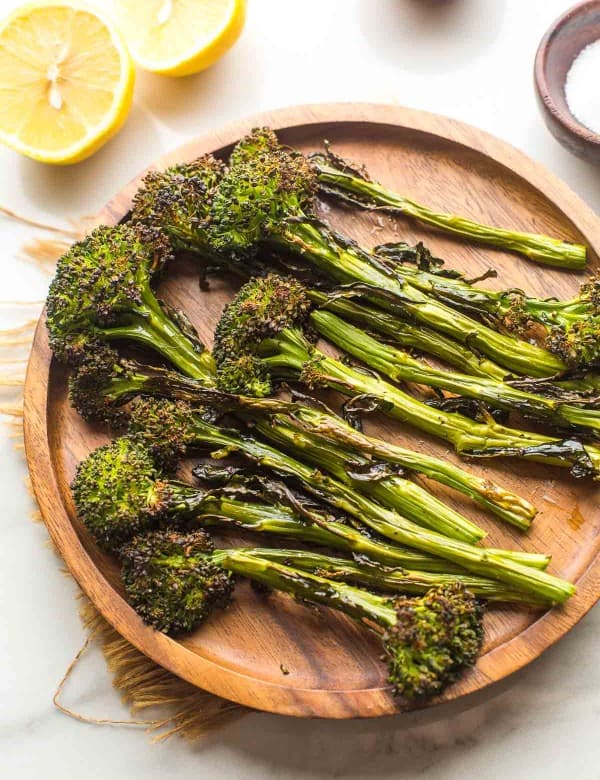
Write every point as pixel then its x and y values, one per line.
pixel 333 665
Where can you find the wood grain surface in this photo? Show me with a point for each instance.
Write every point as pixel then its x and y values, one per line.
pixel 334 670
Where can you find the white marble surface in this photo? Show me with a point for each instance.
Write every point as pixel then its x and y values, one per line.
pixel 470 59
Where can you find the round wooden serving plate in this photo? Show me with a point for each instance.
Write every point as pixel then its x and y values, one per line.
pixel 333 665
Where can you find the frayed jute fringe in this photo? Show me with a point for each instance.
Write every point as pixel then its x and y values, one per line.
pixel 176 707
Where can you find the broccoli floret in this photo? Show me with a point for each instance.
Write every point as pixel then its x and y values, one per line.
pixel 435 637
pixel 246 375
pixel 118 493
pixel 176 201
pixel 95 386
pixel 104 382
pixel 119 490
pixel 261 309
pixel 164 427
pixel 252 325
pixel 98 282
pixel 101 292
pixel 172 582
pixel 589 293
pixel 265 184
pixel 578 344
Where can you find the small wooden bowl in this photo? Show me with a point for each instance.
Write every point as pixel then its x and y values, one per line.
pixel 559 47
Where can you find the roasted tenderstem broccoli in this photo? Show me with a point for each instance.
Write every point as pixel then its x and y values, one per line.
pixel 260 339
pixel 570 327
pixel 264 201
pixel 102 292
pixel 170 428
pixel 119 492
pixel 279 500
pixel 276 188
pixel 105 474
pixel 175 580
pixel 350 183
pixel 113 520
pixel 384 578
pixel 177 202
pixel 567 410
pixel 175 428
pixel 105 382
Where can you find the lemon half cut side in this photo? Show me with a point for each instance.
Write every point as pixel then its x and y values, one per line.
pixel 66 81
pixel 179 37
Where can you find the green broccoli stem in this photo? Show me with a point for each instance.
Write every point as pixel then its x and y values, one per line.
pixel 543 249
pixel 291 356
pixel 304 586
pixel 402 494
pixel 149 325
pixel 392 580
pixel 132 378
pixel 410 335
pixel 401 367
pixel 318 528
pixel 586 385
pixel 503 305
pixel 502 503
pixel 383 521
pixel 348 264
pixel 406 497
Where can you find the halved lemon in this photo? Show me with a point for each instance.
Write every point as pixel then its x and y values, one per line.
pixel 179 37
pixel 66 81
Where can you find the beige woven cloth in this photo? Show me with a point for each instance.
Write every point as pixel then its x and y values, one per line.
pixel 178 707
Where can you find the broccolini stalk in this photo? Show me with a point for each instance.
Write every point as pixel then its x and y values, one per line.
pixel 344 181
pixel 265 199
pixel 400 367
pixel 289 514
pixel 571 326
pixel 175 580
pixel 258 339
pixel 384 521
pixel 408 334
pixel 316 527
pixel 110 483
pixel 104 382
pixel 390 580
pixel 502 503
pixel 101 292
pixel 512 307
pixel 584 384
pixel 391 490
pixel 170 428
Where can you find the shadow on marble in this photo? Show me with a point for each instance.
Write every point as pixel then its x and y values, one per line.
pixel 82 189
pixel 192 104
pixel 431 36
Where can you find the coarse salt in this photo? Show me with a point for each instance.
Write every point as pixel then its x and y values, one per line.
pixel 581 87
